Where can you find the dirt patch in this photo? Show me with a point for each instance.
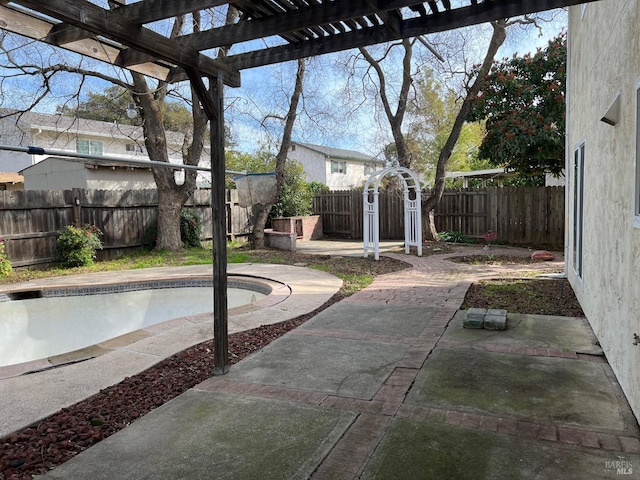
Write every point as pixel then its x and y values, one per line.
pixel 532 296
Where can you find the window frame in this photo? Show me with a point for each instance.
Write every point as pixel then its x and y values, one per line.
pixel 369 169
pixel 577 254
pixel 133 148
pixel 94 147
pixel 636 200
pixel 339 166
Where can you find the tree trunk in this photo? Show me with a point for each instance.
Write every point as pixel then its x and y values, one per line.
pixel 396 119
pixel 497 39
pixel 281 157
pixel 261 220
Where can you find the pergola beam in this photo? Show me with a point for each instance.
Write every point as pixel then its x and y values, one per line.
pixel 411 27
pixel 113 25
pixel 283 23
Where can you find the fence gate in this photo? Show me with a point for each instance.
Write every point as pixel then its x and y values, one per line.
pixel 412 210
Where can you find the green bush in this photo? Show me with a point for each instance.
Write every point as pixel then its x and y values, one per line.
pixel 296 198
pixel 77 245
pixel 456 237
pixel 190 228
pixel 5 264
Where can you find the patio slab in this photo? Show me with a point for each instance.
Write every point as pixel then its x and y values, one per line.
pixel 530 331
pixel 428 450
pixel 345 367
pixel 402 321
pixel 542 389
pixel 202 435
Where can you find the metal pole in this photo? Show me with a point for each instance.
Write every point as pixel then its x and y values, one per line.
pixel 219 222
pixel 85 158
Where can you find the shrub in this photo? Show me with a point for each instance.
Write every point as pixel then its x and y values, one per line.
pixel 77 245
pixel 190 228
pixel 296 198
pixel 5 264
pixel 150 236
pixel 456 237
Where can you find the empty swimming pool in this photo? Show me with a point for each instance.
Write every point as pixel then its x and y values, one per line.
pixel 43 323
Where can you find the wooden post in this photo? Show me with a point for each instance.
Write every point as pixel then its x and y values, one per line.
pixel 76 205
pixel 219 225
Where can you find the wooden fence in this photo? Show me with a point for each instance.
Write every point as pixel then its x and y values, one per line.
pixel 30 219
pixel 518 215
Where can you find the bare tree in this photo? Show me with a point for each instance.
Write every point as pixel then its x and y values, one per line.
pixel 281 157
pixel 149 97
pixel 395 118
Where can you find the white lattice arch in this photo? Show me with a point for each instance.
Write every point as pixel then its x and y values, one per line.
pixel 412 210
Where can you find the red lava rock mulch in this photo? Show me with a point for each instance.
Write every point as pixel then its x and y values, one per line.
pixel 38 448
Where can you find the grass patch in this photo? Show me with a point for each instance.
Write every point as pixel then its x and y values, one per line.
pixel 355 272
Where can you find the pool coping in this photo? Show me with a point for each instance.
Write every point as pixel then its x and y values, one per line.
pixel 287 283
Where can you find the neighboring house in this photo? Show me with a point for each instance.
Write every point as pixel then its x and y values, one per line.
pixel 76 135
pixel 11 181
pixel 337 168
pixel 603 165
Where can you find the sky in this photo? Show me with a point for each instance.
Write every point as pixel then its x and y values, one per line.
pixel 339 109
pixel 346 120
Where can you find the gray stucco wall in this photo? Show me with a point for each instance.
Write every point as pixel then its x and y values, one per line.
pixel 604 46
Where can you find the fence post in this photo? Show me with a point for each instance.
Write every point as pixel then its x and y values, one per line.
pixel 76 204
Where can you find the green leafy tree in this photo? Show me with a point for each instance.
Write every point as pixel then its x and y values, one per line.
pixel 296 196
pixel 112 104
pixel 262 161
pixel 434 111
pixel 523 103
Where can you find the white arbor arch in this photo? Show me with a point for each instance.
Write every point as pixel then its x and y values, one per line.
pixel 412 210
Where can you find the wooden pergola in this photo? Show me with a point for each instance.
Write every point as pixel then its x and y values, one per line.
pixel 122 34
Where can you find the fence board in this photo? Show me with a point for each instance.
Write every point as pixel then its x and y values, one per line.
pixel 518 215
pixel 31 219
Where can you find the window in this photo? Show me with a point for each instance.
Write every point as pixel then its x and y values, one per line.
pixel 338 167
pixel 369 169
pixel 578 199
pixel 133 147
pixel 89 147
pixel 636 207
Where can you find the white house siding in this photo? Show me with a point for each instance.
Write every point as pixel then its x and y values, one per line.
pixel 604 46
pixel 316 161
pixel 61 133
pixel 353 178
pixel 11 135
pixel 313 163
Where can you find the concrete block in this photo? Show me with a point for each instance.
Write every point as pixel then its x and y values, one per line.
pixel 473 320
pixel 497 311
pixel 495 322
pixel 477 311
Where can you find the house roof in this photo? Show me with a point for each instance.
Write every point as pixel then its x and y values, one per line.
pixel 82 126
pixel 11 177
pixel 339 153
pixel 488 173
